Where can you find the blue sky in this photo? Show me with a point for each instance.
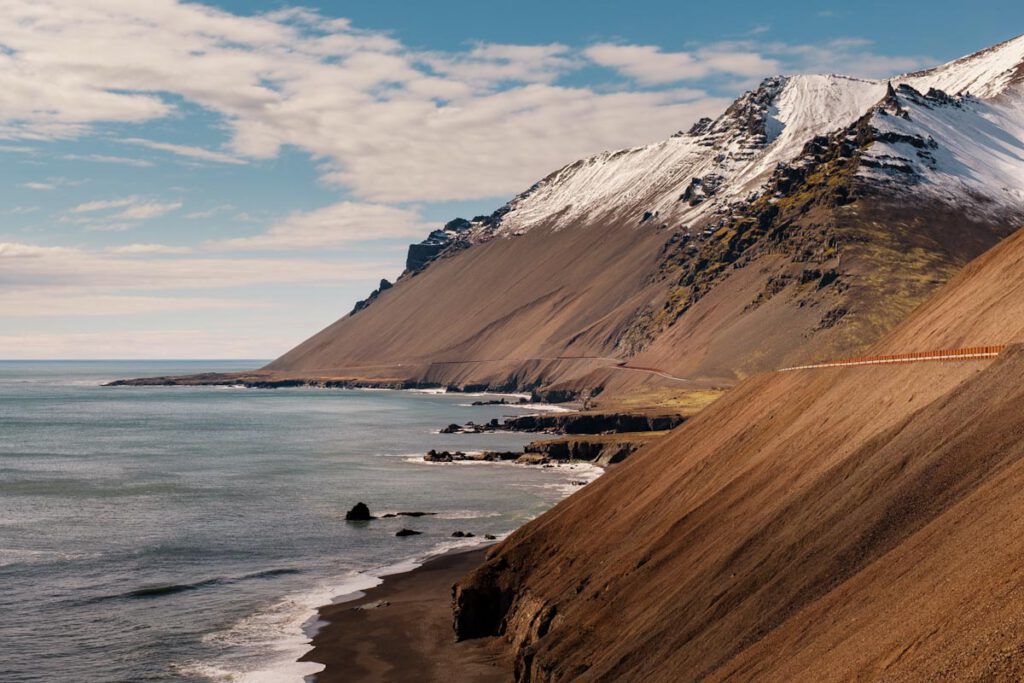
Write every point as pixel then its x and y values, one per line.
pixel 223 179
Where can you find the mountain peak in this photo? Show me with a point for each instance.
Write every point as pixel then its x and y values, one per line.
pixel 984 74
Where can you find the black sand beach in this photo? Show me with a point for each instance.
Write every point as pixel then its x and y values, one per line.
pixel 402 631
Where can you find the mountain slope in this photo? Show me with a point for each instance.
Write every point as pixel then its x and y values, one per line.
pixel 821 209
pixel 812 525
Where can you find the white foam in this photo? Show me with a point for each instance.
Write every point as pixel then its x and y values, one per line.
pixel 284 630
pixel 466 514
pixel 544 407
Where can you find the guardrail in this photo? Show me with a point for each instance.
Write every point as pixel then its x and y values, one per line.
pixel 968 353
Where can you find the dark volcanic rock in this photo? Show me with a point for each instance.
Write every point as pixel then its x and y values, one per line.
pixel 407 532
pixel 462 534
pixel 593 423
pixel 451 429
pixel 435 456
pixel 359 513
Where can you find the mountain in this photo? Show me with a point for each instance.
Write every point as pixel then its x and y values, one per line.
pixel 856 523
pixel 807 220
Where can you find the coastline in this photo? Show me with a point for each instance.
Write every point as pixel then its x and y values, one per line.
pixel 401 630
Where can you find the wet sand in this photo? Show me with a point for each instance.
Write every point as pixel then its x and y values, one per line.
pixel 402 631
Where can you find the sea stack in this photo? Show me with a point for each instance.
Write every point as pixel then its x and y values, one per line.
pixel 360 512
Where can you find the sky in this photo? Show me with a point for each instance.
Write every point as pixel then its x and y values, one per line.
pixel 223 179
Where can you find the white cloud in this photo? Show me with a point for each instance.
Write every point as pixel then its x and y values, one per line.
pixel 74 303
pixel 107 159
pixel 142 211
pixel 149 249
pixel 39 186
pixel 486 65
pixel 332 226
pixel 209 213
pixel 103 205
pixel 146 344
pixel 102 215
pixel 649 65
pixel 849 56
pixel 34 266
pixel 199 153
pixel 388 122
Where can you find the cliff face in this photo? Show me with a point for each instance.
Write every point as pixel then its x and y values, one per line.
pixel 811 525
pixel 803 223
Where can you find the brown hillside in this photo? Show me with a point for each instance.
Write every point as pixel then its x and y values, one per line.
pixel 557 307
pixel 814 525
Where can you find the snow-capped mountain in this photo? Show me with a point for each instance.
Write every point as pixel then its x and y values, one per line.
pixel 804 222
pixel 771 125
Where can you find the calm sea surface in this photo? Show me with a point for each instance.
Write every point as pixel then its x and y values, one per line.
pixel 176 533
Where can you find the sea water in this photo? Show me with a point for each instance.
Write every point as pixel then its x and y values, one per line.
pixel 189 533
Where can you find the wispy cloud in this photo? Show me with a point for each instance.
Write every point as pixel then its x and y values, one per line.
pixel 136 249
pixel 648 64
pixel 209 213
pixel 141 211
pixel 199 153
pixel 107 159
pixel 331 226
pixel 119 214
pixel 103 205
pixel 39 186
pixel 27 266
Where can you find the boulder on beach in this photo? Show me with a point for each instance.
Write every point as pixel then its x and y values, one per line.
pixel 462 534
pixel 451 429
pixel 359 513
pixel 490 537
pixel 407 532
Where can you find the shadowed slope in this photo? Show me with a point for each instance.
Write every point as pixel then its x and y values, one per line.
pixel 773 536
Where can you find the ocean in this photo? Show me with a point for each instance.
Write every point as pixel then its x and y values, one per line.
pixel 188 534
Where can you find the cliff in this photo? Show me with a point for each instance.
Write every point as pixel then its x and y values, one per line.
pixel 834 524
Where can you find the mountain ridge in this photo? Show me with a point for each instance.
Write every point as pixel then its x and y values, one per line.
pixel 802 224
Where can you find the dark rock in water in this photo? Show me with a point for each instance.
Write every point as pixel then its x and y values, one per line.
pixel 495 456
pixel 451 429
pixel 414 514
pixel 444 456
pixel 359 513
pixel 407 532
pixel 435 456
pixel 490 537
pixel 462 534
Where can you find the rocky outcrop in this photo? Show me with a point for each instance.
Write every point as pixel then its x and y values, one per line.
pixel 360 512
pixel 593 422
pixel 457 456
pixel 599 451
pixel 407 532
pixel 360 305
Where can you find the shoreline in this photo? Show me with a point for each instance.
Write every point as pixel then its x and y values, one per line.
pixel 401 630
